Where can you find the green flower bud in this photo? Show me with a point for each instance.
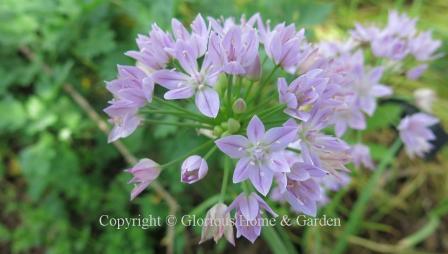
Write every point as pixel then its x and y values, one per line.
pixel 233 125
pixel 217 131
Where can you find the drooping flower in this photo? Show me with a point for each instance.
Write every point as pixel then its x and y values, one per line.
pixel 248 215
pixel 217 223
pixel 416 134
pixel 193 169
pixel 132 90
pixel 301 95
pixel 361 156
pixel 197 83
pixel 132 85
pixel 152 52
pixel 144 173
pixel 258 155
pixel 122 114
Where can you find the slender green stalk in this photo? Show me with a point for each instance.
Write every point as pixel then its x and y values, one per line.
pixel 274 110
pixel 293 150
pixel 199 148
pixel 182 124
pixel 249 89
pixel 198 210
pixel 239 84
pixel 229 93
pixel 198 117
pixel 225 179
pixel 274 241
pixel 170 112
pixel 209 153
pixel 257 96
pixel 246 187
pixel 358 210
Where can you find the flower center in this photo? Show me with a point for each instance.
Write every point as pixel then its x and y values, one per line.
pixel 258 152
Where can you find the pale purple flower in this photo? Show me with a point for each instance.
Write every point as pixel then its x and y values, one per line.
pixel 193 169
pixel 152 49
pixel 423 46
pixel 365 33
pixel 416 134
pixel 416 72
pixel 286 47
pixel 235 52
pixel 367 88
pixel 335 183
pixel 299 187
pixel 132 85
pixel 198 38
pixel 391 47
pixel 217 223
pixel 400 25
pixel 122 114
pixel 258 155
pixel 301 95
pixel 318 149
pixel 361 156
pixel 248 218
pixel 144 173
pixel 348 115
pixel 221 26
pixel 198 83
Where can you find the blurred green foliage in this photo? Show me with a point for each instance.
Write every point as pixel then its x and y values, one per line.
pixel 58 174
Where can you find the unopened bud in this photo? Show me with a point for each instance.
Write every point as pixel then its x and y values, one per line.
pixel 239 106
pixel 217 131
pixel 233 125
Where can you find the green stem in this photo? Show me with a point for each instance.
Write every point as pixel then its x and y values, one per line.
pixel 225 179
pixel 257 96
pixel 249 89
pixel 274 110
pixel 209 153
pixel 245 187
pixel 229 93
pixel 208 143
pixel 274 241
pixel 182 124
pixel 360 206
pixel 200 118
pixel 204 205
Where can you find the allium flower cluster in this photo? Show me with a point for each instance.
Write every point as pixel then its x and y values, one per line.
pixel 274 126
pixel 400 42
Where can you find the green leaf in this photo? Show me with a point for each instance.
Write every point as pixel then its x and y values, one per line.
pixel 384 116
pixel 12 114
pixel 36 164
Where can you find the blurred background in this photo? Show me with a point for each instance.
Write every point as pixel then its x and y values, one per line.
pixel 58 175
